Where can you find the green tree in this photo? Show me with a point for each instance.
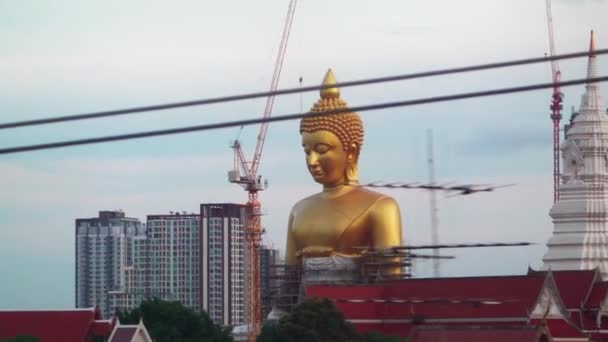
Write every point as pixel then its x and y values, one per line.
pixel 23 338
pixel 173 322
pixel 377 337
pixel 316 320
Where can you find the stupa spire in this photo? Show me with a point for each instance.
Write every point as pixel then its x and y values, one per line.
pixel 580 216
pixel 592 45
pixel 591 67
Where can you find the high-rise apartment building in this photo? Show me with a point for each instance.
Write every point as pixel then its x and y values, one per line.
pixel 104 247
pixel 171 270
pixel 125 297
pixel 197 260
pixel 135 285
pixel 222 266
pixel 166 264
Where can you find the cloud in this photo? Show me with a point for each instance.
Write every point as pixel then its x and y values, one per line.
pixel 404 29
pixel 505 140
pixel 580 2
pixel 79 187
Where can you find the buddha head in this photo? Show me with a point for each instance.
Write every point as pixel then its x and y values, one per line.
pixel 332 143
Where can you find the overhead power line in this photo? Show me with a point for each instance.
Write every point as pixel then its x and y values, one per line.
pixel 287 117
pixel 240 97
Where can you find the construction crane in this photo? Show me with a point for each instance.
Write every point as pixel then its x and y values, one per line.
pixel 245 173
pixel 556 104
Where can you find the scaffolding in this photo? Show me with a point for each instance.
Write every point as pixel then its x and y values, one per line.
pixel 372 266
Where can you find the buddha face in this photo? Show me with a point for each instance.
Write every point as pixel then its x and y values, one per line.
pixel 326 157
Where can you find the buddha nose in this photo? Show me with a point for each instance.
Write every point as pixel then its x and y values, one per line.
pixel 312 159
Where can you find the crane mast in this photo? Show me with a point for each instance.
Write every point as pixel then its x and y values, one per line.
pixel 245 173
pixel 556 104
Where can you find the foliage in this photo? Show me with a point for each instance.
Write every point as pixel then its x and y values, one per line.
pixel 99 338
pixel 173 322
pixel 377 337
pixel 23 338
pixel 316 320
pixel 270 333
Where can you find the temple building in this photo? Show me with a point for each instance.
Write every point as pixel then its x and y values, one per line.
pixel 580 216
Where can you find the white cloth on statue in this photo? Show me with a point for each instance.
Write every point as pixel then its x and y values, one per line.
pixel 329 269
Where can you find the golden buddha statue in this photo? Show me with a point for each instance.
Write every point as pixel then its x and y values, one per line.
pixel 344 215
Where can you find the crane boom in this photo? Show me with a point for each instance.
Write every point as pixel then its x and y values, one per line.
pixel 278 67
pixel 554 66
pixel 245 173
pixel 556 104
pixel 240 162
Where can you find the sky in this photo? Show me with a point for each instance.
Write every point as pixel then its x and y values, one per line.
pixel 67 57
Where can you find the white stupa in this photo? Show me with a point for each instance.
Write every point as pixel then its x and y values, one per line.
pixel 580 216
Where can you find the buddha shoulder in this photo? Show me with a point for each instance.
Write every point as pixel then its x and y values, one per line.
pixel 379 202
pixel 356 199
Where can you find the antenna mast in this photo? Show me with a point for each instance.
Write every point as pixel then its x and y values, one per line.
pixel 433 202
pixel 556 104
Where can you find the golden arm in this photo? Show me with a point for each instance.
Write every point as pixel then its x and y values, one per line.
pixel 290 245
pixel 386 227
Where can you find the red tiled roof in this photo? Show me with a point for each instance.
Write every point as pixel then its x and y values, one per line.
pixel 589 323
pixel 598 293
pixel 49 326
pixel 473 334
pixel 515 310
pixel 497 297
pixel 103 328
pixel 574 286
pixel 401 329
pixel 561 328
pixel 505 288
pixel 123 334
pixel 586 320
pixel 598 337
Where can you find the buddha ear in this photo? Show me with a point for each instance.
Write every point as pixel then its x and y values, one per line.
pixel 351 173
pixel 353 152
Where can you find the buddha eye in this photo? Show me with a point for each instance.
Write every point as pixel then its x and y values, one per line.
pixel 322 148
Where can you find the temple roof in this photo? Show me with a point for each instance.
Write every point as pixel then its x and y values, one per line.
pixel 478 298
pixel 54 325
pixel 597 296
pixel 574 286
pixel 475 333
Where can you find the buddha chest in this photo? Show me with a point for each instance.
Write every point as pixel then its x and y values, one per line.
pixel 339 223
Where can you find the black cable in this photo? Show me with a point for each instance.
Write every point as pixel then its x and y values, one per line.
pixel 102 114
pixel 458 245
pixel 287 117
